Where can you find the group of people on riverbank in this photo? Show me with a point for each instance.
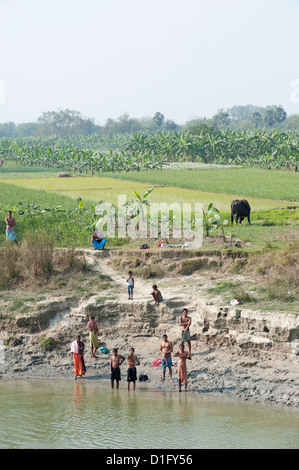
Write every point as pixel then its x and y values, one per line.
pixel 116 359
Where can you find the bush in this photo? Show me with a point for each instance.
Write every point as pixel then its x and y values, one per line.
pixel 71 260
pixel 283 263
pixel 10 270
pixel 147 272
pixel 243 294
pixel 36 256
pixel 34 263
pixel 191 265
pixel 47 343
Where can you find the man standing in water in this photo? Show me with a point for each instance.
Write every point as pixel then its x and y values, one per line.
pixel 185 322
pixel 132 362
pixel 77 350
pixel 182 366
pixel 166 350
pixel 116 361
pixel 93 336
pixel 10 228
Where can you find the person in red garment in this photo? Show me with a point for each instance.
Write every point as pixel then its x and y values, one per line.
pixel 77 350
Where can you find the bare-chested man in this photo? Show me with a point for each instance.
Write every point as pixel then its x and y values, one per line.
pixel 116 361
pixel 132 362
pixel 182 366
pixel 156 294
pixel 185 322
pixel 10 228
pixel 166 350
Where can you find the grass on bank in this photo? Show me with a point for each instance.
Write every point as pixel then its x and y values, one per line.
pixel 35 272
pixel 35 264
pixel 273 284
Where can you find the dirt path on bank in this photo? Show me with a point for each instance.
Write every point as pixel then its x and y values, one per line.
pixel 235 352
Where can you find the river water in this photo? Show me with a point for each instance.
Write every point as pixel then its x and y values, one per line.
pixel 45 414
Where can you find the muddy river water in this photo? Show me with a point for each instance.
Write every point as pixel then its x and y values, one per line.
pixel 53 414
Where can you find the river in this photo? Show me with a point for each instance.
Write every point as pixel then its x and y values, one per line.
pixel 53 414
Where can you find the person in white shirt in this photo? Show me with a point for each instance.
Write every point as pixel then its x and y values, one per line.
pixel 77 350
pixel 130 281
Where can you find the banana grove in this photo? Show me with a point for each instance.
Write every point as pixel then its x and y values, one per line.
pixel 271 149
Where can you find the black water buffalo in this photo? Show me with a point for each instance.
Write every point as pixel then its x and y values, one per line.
pixel 239 209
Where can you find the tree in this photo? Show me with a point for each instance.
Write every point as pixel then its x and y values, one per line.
pixel 221 119
pixel 292 122
pixel 256 118
pixel 8 129
pixel 125 125
pixel 65 122
pixel 269 118
pixel 280 114
pixel 27 129
pixel 170 125
pixel 159 120
pixel 274 115
pixel 242 113
pixel 200 126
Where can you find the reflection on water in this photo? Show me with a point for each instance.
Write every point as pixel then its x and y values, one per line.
pixel 88 414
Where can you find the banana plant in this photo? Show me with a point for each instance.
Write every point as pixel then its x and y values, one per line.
pixel 212 220
pixel 135 207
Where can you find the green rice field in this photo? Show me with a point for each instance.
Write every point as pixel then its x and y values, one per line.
pixel 17 171
pixel 190 182
pixel 244 182
pixel 94 189
pixel 39 187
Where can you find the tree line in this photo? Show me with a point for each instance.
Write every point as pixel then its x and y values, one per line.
pixel 70 122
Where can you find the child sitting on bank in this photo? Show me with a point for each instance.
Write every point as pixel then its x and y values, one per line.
pixel 156 295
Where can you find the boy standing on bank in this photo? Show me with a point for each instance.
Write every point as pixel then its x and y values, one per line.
pixel 185 322
pixel 130 281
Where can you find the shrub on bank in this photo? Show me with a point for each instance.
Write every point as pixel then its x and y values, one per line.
pixel 47 343
pixel 34 262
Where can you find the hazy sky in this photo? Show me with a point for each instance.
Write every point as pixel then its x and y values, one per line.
pixel 184 58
